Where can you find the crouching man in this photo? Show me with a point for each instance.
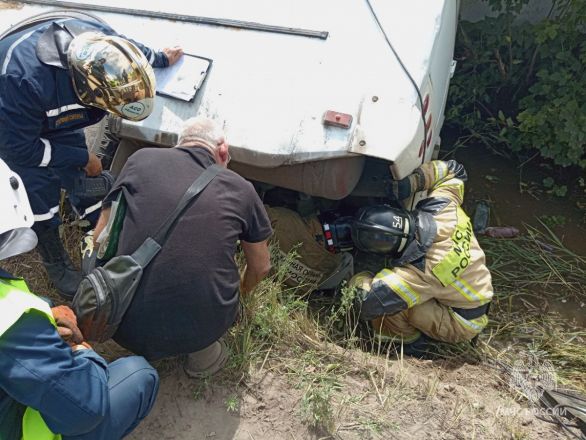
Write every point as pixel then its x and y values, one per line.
pixel 52 384
pixel 189 294
pixel 437 286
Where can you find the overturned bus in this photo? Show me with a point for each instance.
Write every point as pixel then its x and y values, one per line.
pixel 323 103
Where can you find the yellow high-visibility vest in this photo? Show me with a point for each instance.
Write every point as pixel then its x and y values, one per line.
pixel 15 301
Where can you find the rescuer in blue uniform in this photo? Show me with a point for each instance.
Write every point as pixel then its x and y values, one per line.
pixel 57 77
pixel 52 384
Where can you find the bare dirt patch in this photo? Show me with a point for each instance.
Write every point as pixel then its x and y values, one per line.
pixel 415 400
pixel 371 397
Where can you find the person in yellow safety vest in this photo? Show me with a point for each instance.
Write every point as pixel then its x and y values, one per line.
pixel 52 384
pixel 437 286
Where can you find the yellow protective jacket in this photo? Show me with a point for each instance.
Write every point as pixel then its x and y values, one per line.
pixel 304 237
pixel 445 262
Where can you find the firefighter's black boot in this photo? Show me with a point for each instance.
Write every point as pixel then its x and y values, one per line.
pixel 422 348
pixel 59 267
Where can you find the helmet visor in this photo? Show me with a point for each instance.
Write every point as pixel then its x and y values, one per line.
pixel 382 230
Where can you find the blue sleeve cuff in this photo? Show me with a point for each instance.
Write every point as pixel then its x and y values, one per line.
pixel 161 60
pixel 92 355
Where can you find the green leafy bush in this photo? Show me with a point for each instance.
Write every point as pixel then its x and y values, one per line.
pixel 522 85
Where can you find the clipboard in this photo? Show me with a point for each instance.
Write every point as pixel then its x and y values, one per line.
pixel 183 79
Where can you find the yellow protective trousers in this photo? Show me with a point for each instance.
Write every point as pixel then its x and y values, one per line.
pixel 432 318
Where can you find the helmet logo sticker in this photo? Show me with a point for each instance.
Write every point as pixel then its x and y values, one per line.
pixel 133 110
pixel 83 52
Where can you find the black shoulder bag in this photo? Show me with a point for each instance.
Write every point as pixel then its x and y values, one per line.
pixel 105 294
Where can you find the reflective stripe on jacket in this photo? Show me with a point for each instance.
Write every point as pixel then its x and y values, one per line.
pixel 453 270
pixel 39 109
pixel 16 300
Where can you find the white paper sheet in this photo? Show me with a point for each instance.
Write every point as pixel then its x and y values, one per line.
pixel 182 79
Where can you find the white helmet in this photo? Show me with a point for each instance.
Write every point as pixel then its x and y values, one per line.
pixel 16 237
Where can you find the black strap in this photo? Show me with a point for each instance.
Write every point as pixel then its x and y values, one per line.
pixel 474 313
pixel 196 187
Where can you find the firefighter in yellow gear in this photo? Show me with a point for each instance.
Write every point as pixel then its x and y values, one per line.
pixel 317 245
pixel 437 286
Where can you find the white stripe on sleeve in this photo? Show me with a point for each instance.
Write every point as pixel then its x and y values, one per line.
pixel 91 209
pixel 48 215
pixel 46 153
pixel 63 109
pixel 11 48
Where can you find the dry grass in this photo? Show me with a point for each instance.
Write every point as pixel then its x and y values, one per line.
pixel 372 392
pixel 530 274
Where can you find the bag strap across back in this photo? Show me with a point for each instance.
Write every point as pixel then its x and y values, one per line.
pixel 196 187
pixel 151 246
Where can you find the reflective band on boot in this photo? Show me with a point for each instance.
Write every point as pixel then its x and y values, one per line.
pixel 395 338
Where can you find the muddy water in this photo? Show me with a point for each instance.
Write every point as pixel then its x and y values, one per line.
pixel 517 197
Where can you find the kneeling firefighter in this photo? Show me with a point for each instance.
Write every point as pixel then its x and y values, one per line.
pixel 437 286
pixel 319 244
pixel 52 384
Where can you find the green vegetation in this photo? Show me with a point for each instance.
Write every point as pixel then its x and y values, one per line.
pixel 346 385
pixel 232 403
pixel 312 340
pixel 521 86
pixel 276 324
pixel 533 275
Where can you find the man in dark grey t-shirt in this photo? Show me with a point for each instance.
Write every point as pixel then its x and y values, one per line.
pixel 189 294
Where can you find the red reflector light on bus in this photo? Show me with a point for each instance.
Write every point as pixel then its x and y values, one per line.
pixel 425 104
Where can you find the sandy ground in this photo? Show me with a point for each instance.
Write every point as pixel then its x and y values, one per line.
pixel 423 400
pixel 376 398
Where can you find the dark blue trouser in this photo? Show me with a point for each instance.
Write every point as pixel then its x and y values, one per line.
pixel 43 186
pixel 133 386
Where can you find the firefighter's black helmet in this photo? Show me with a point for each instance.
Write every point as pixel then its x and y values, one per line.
pixel 383 229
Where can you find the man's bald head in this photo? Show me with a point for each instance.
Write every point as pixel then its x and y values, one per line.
pixel 201 131
pixel 205 133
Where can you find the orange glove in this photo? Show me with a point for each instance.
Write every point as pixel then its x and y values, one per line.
pixel 67 325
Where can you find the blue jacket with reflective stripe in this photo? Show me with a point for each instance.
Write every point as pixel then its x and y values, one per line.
pixel 38 369
pixel 38 105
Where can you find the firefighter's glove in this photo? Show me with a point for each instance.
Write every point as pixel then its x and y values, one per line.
pixel 361 283
pixel 67 325
pixel 404 188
